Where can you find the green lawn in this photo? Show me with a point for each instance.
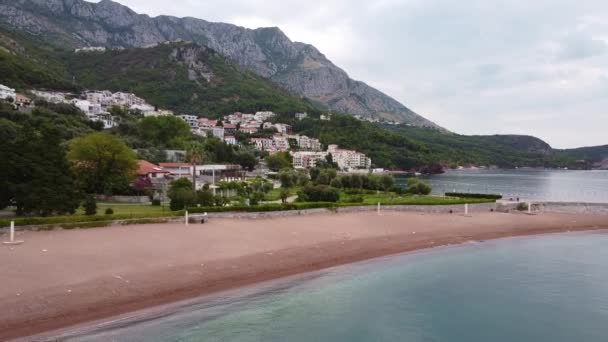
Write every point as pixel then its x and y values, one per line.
pixel 275 194
pixel 149 213
pixel 394 199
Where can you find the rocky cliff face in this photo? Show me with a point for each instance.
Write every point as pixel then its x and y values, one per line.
pixel 298 67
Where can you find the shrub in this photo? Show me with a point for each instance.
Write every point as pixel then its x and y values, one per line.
pixel 204 198
pixel 522 206
pixel 417 187
pixel 465 195
pixel 156 202
pixel 90 205
pixel 181 198
pixel 319 193
pixel 109 211
pixel 284 194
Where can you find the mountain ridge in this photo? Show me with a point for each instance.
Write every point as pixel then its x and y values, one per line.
pixel 266 51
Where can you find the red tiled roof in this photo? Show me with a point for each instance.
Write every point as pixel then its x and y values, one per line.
pixel 145 168
pixel 174 165
pixel 229 126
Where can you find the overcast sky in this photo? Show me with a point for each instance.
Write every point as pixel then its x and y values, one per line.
pixel 536 67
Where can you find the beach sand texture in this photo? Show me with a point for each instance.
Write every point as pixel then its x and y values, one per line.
pixel 61 278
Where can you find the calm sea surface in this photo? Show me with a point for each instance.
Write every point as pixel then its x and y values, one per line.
pixel 549 185
pixel 547 288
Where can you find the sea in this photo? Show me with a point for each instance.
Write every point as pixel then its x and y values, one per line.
pixel 526 184
pixel 541 288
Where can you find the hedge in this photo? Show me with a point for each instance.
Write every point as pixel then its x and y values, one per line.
pixel 58 220
pixel 467 195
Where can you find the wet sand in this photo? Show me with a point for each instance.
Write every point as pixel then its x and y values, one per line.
pixel 62 278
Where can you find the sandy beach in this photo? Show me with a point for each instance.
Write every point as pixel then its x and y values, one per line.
pixel 62 278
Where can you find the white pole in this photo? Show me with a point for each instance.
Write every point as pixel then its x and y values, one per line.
pixel 466 209
pixel 378 208
pixel 186 217
pixel 529 207
pixel 12 240
pixel 12 231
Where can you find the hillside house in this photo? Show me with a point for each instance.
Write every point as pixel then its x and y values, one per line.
pixel 6 92
pixel 191 120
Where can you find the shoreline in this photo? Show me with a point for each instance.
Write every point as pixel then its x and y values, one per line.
pixel 308 244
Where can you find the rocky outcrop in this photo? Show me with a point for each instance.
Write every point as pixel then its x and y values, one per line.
pixel 298 67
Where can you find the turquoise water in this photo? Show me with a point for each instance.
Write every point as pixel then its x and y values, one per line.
pixel 547 288
pixel 528 184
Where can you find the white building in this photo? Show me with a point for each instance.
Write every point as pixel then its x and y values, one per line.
pixel 349 159
pixel 230 139
pixel 191 120
pixel 87 107
pixel 90 49
pixel 218 132
pixel 6 92
pixel 144 109
pixel 263 116
pixel 301 116
pixel 282 128
pixel 157 113
pixel 263 144
pixel 94 112
pixel 51 96
pixel 280 142
pixel 306 143
pixel 307 159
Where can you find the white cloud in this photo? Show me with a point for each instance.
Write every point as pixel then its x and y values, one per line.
pixel 473 66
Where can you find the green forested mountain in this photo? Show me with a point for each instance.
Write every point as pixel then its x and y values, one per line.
pixel 185 77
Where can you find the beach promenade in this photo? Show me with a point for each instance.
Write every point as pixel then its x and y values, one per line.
pixel 61 278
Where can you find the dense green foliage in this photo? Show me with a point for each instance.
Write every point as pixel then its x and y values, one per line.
pixel 417 187
pixel 163 75
pixel 279 161
pixel 164 131
pixel 102 162
pixel 90 205
pixel 506 151
pixel 27 62
pixel 319 193
pixel 35 176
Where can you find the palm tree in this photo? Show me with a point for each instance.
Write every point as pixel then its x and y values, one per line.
pixel 194 155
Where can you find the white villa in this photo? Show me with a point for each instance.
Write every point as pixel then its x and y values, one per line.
pixel 6 92
pixel 191 120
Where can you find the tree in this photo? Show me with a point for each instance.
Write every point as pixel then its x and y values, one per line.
pixel 35 174
pixel 387 182
pixel 168 131
pixel 90 205
pixel 102 162
pixel 279 160
pixel 319 193
pixel 288 178
pixel 181 194
pixel 246 159
pixel 284 194
pixel 205 198
pixel 194 155
pixel 325 176
pixel 417 187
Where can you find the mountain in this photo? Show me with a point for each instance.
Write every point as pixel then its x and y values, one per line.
pixel 268 52
pixel 184 77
